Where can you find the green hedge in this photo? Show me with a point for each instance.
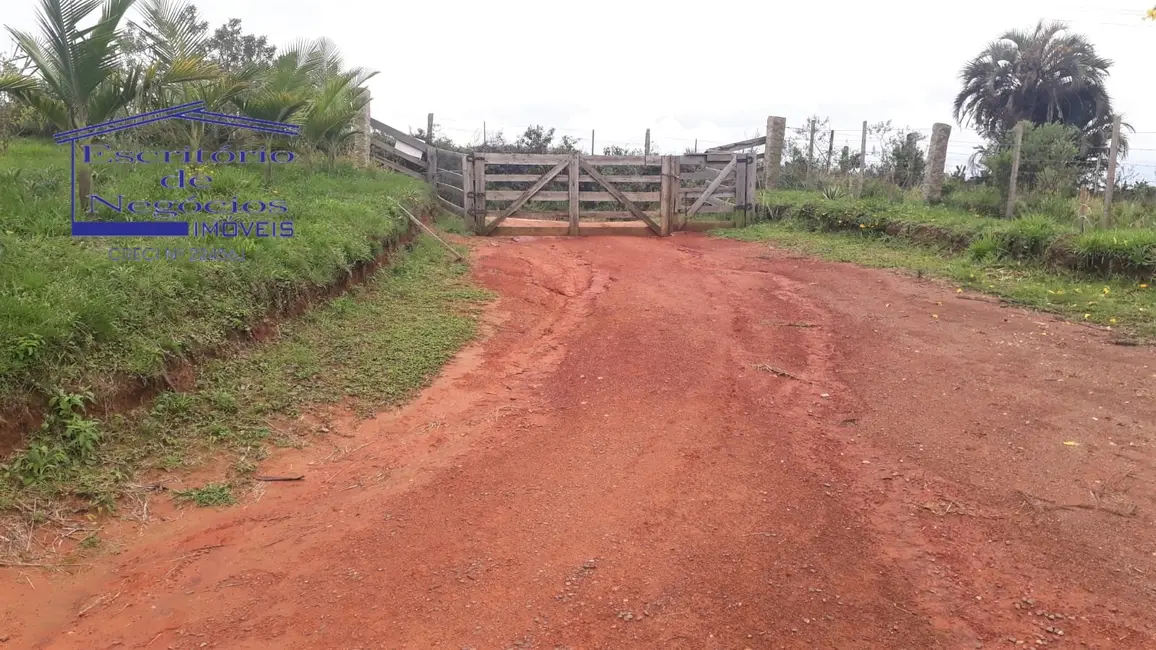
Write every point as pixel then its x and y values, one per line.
pixel 1032 238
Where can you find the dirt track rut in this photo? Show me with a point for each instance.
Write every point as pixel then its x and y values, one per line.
pixel 618 465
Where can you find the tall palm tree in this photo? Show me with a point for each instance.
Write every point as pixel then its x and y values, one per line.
pixel 76 79
pixel 1045 75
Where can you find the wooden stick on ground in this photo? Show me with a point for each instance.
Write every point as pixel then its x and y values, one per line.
pixel 457 255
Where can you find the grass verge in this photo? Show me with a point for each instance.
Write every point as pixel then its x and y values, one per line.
pixel 1105 253
pixel 368 349
pixel 1120 303
pixel 74 316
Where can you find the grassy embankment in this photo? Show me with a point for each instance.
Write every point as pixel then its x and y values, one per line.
pixel 1102 277
pixel 76 325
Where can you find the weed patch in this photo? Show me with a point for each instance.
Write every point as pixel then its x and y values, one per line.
pixel 212 494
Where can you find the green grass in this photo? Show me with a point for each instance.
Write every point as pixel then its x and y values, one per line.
pixel 1120 303
pixel 208 495
pixel 368 349
pixel 71 318
pixel 1034 237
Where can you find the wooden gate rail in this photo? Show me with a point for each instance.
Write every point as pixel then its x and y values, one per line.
pixel 561 187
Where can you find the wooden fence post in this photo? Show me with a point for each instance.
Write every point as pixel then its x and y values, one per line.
pixel 830 149
pixel 1111 182
pixel 468 191
pixel 572 179
pixel 811 151
pixel 740 189
pixel 752 188
pixel 1010 211
pixel 862 162
pixel 479 193
pixel 664 198
pixel 773 156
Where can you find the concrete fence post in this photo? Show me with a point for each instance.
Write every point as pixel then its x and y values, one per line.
pixel 1010 211
pixel 773 157
pixel 361 140
pixel 936 162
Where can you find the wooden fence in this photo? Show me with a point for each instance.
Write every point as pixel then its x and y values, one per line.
pixel 576 194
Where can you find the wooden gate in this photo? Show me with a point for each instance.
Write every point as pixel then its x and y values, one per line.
pixel 572 194
pixel 716 190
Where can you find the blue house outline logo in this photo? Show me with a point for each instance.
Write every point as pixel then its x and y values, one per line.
pixel 193 112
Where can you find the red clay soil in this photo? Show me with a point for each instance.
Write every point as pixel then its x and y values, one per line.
pixel 679 443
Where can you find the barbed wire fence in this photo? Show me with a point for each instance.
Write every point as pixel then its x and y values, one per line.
pixel 821 152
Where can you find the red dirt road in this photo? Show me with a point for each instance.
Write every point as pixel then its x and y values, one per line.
pixel 611 467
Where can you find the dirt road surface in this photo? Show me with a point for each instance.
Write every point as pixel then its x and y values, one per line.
pixel 680 443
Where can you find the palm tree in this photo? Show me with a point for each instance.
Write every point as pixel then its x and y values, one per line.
pixel 337 97
pixel 283 91
pixel 1046 75
pixel 76 79
pixel 179 71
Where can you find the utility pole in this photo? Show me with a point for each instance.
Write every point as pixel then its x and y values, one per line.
pixel 646 150
pixel 591 142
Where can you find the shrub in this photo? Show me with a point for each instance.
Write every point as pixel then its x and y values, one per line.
pixel 977 199
pixel 1028 238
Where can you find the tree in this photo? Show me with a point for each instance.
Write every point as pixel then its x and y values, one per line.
pixel 1047 160
pixel 232 50
pixel 337 97
pixel 173 62
pixel 1043 76
pixel 76 78
pixel 283 91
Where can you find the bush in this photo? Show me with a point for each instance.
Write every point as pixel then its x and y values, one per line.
pixel 1116 251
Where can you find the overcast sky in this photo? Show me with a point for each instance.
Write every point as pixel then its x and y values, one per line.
pixel 712 71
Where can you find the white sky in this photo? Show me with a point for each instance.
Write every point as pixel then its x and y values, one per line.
pixel 712 71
